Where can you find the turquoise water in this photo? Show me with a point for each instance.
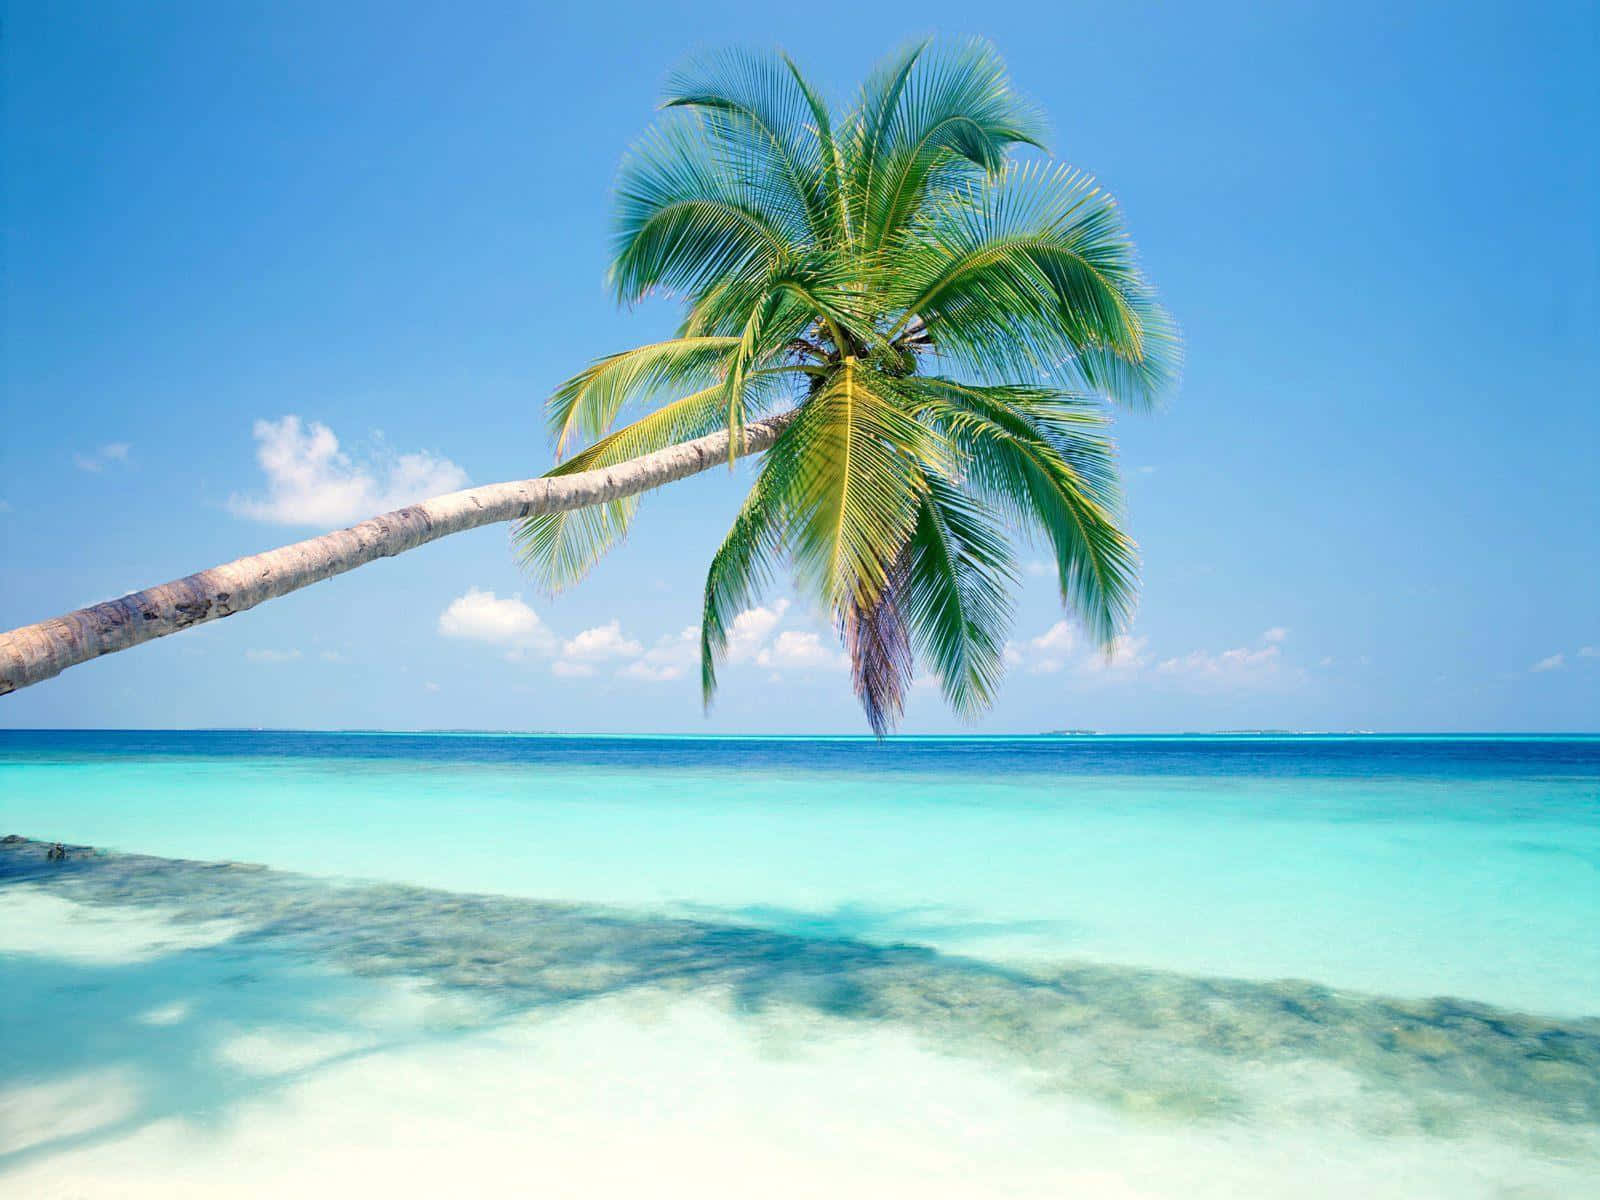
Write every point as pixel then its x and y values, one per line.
pixel 1153 967
pixel 1408 866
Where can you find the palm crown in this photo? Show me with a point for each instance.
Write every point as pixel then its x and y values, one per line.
pixel 941 325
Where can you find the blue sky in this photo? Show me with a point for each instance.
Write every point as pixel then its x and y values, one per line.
pixel 236 234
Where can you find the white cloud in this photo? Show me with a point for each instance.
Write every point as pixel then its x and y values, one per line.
pixel 601 642
pixel 310 481
pixel 1583 652
pixel 643 671
pixel 1327 661
pixel 800 651
pixel 1039 568
pixel 1553 663
pixel 506 621
pixel 1259 666
pixel 750 628
pixel 333 656
pixel 1045 654
pixel 1127 654
pixel 271 656
pixel 96 461
pixel 482 616
pixel 430 686
pixel 667 659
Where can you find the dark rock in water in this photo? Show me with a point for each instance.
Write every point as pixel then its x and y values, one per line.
pixel 56 853
pixel 12 839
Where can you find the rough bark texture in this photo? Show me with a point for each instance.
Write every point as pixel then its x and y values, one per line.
pixel 40 651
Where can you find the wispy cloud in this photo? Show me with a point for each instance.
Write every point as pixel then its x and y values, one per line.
pixel 1554 663
pixel 1230 668
pixel 1583 651
pixel 1127 655
pixel 311 481
pixel 97 460
pixel 271 656
pixel 1243 667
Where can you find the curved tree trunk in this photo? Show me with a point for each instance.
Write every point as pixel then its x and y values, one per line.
pixel 37 652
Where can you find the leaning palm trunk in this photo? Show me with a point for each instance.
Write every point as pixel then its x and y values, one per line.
pixel 40 651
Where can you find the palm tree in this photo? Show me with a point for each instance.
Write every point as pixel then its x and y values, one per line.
pixel 919 330
pixel 943 322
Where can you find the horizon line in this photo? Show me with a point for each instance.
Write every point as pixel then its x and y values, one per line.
pixel 1061 734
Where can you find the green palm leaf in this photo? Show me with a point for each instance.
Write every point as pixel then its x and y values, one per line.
pixel 1030 273
pixel 950 122
pixel 827 261
pixel 560 548
pixel 589 402
pixel 858 463
pixel 959 579
pixel 760 113
pixel 1043 459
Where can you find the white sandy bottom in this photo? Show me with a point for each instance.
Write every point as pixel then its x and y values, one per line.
pixel 604 1103
pixel 387 1089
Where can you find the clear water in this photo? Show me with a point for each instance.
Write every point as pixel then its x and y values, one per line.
pixel 1128 944
pixel 1409 866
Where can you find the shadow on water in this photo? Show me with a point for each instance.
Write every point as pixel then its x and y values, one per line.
pixel 912 924
pixel 1164 1046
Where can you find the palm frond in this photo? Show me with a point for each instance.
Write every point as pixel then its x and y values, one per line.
pixel 957 596
pixel 868 125
pixel 559 548
pixel 761 115
pixel 857 463
pixel 1033 273
pixel 740 568
pixel 588 403
pixel 1044 461
pixel 686 219
pixel 952 120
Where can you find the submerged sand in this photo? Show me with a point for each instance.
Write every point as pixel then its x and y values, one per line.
pixel 177 1028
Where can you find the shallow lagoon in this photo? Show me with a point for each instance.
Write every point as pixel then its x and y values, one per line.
pixel 1120 968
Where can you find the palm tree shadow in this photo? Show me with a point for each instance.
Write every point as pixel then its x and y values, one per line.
pixel 313 960
pixel 171 1036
